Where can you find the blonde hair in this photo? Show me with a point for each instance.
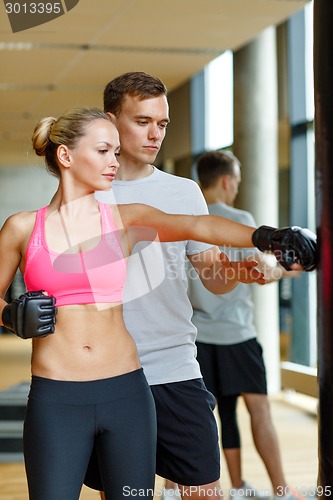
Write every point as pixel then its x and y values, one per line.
pixel 67 130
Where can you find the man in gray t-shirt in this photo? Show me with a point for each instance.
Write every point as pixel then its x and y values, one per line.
pixel 157 311
pixel 229 354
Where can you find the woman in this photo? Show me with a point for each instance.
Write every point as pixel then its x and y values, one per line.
pixel 87 384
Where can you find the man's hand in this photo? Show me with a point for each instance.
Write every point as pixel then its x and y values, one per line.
pixel 243 271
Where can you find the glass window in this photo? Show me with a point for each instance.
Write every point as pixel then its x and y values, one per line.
pixel 308 12
pixel 219 102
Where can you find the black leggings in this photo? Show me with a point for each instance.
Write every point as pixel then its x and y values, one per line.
pixel 65 419
pixel 230 436
pixel 229 371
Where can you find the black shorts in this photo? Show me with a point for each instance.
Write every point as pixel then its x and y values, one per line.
pixel 187 436
pixel 233 369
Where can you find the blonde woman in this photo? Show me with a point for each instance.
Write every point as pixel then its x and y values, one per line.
pixel 87 386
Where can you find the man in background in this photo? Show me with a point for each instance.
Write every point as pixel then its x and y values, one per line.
pixel 229 354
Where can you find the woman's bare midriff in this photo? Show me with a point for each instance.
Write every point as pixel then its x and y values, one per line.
pixel 90 342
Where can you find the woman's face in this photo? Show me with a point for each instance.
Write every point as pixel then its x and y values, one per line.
pixel 93 163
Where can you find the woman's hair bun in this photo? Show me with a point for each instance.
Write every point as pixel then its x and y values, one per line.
pixel 41 136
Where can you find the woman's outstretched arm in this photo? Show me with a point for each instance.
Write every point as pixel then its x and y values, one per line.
pixel 292 246
pixel 212 229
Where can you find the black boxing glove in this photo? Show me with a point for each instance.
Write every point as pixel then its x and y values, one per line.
pixel 32 315
pixel 290 245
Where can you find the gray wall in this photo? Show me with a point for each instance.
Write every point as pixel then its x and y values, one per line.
pixel 24 188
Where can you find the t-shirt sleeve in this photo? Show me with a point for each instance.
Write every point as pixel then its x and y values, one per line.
pixel 248 219
pixel 198 206
pixel 237 254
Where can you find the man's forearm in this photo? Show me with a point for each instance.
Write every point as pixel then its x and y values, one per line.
pixel 218 279
pixel 223 275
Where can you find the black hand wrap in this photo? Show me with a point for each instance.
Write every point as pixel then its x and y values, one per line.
pixel 32 315
pixel 290 245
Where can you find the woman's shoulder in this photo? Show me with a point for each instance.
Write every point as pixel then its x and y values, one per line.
pixel 21 222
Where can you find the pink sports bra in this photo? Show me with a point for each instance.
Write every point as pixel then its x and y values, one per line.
pixel 97 275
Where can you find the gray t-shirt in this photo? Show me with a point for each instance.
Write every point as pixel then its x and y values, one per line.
pixel 225 319
pixel 157 310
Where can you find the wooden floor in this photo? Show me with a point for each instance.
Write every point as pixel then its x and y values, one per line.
pixel 296 427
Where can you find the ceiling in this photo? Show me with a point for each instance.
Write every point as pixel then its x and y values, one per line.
pixel 67 61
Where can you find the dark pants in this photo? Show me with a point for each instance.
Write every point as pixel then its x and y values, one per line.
pixel 65 419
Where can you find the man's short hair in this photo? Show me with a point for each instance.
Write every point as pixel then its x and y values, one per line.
pixel 213 165
pixel 135 83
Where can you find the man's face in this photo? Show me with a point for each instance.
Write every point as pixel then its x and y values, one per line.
pixel 142 126
pixel 233 184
